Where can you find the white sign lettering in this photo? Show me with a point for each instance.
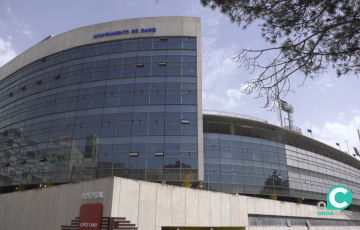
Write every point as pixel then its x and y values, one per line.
pixel 93 225
pixel 92 195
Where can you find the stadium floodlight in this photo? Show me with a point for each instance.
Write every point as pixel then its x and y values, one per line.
pixel 338 145
pixel 310 131
pixel 356 151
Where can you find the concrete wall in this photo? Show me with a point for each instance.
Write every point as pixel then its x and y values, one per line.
pixel 148 205
pixel 165 26
pixel 151 206
pixel 50 208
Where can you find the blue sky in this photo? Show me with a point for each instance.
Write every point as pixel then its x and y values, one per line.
pixel 328 105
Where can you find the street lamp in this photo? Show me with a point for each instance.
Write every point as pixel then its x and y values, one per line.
pixel 309 130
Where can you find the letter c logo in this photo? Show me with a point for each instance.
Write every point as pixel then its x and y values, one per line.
pixel 343 194
pixel 332 198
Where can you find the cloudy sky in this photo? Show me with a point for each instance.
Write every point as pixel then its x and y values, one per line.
pixel 328 105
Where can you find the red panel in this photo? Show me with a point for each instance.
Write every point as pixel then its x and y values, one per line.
pixel 90 216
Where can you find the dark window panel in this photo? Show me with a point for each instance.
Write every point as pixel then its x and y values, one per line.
pixel 142 71
pixel 159 45
pixel 116 48
pixel 172 174
pixel 139 130
pixel 173 99
pixel 172 129
pixel 189 45
pixel 100 75
pixel 156 130
pixel 130 46
pixel 130 72
pixel 157 59
pixel 103 50
pixel 126 100
pixel 131 60
pixel 89 52
pixel 145 46
pixel 111 101
pixel 155 71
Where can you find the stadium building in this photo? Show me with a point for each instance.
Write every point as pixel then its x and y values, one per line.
pixel 102 127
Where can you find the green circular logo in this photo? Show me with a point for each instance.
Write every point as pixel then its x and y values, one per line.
pixel 339 197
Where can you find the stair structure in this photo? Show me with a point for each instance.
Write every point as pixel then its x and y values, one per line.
pixel 107 223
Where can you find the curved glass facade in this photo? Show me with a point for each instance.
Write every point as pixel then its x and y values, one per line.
pixel 129 108
pixel 240 163
pixel 251 160
pixel 123 108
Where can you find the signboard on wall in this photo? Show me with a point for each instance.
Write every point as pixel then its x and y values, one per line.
pixel 92 195
pixel 90 216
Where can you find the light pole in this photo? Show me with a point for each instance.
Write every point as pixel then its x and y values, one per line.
pixel 347 146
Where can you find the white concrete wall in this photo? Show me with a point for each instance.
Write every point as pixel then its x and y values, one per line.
pixel 49 208
pixel 163 205
pixel 148 205
pixel 165 26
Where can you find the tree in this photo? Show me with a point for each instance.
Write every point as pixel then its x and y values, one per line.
pixel 307 36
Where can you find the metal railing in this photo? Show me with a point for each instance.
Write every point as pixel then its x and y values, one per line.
pixel 294 129
pixel 227 114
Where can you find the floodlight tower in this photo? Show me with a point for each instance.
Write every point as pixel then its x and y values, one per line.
pixel 289 109
pixel 286 107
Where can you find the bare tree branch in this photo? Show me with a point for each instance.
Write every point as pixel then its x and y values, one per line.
pixel 313 35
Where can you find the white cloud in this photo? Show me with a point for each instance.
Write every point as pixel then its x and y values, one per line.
pixel 8 9
pixel 325 82
pixel 3 25
pixel 6 52
pixel 334 132
pixel 27 33
pixel 14 24
pixel 341 116
pixel 23 28
pixel 355 111
pixel 234 93
pixel 210 19
pixel 218 67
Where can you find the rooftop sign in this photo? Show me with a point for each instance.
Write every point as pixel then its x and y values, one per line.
pixel 119 32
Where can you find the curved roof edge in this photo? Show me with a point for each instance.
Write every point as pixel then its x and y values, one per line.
pixel 229 114
pixel 165 26
pixel 247 120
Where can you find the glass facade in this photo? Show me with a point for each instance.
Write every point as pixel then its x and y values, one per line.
pixel 123 108
pixel 251 160
pixel 242 163
pixel 129 108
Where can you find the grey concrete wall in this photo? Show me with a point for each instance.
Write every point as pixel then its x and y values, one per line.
pixel 303 228
pixel 49 208
pixel 199 104
pixel 165 26
pixel 155 205
pixel 148 205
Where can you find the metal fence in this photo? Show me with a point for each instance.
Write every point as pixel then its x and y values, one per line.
pixel 227 114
